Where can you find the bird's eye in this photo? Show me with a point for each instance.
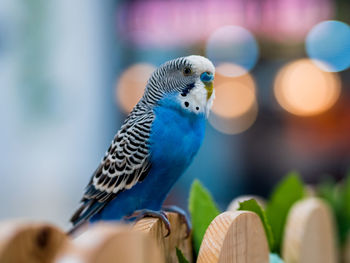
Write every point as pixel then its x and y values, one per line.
pixel 187 71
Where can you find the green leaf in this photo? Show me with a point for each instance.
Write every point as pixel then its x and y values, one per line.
pixel 203 210
pixel 180 256
pixel 346 197
pixel 327 191
pixel 287 192
pixel 343 209
pixel 253 206
pixel 338 197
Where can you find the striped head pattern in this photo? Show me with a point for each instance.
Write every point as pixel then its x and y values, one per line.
pixel 189 78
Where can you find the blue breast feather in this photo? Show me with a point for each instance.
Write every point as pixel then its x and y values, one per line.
pixel 176 136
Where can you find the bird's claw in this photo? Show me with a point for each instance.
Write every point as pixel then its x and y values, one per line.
pixel 139 214
pixel 184 218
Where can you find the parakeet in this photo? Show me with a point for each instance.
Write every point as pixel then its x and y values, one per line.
pixel 154 146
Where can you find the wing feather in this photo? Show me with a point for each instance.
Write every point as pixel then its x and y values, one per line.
pixel 125 163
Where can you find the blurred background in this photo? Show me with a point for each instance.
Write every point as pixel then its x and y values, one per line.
pixel 70 71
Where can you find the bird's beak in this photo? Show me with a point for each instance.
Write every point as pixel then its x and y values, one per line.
pixel 207 78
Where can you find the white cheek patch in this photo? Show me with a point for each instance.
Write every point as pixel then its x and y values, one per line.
pixel 196 100
pixel 210 102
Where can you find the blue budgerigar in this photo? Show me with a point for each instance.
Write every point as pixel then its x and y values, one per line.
pixel 154 146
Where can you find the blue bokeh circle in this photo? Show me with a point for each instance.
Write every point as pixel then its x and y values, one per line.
pixel 233 44
pixel 328 44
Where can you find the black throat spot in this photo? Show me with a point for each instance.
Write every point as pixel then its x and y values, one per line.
pixel 186 90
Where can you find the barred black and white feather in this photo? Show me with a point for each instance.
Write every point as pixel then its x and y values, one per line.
pixel 162 81
pixel 125 163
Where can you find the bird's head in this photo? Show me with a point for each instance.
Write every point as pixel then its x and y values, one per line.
pixel 188 79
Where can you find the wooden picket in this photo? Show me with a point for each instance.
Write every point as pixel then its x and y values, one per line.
pixel 233 236
pixel 110 243
pixel 309 233
pixel 177 238
pixel 29 242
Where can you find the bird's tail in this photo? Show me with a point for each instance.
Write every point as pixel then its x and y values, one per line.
pixel 74 228
pixel 84 213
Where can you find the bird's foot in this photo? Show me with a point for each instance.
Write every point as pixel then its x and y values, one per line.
pixel 183 215
pixel 139 214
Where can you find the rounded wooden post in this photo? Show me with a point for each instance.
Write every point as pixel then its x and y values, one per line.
pixel 309 235
pixel 346 250
pixel 155 228
pixel 30 242
pixel 110 243
pixel 234 237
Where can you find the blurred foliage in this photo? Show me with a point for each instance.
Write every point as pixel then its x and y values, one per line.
pixel 203 210
pixel 290 190
pixel 286 193
pixel 253 206
pixel 180 256
pixel 338 197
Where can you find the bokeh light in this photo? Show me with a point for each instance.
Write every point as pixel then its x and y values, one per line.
pixel 230 70
pixel 148 23
pixel 328 44
pixel 233 44
pixel 234 96
pixel 235 107
pixel 304 89
pixel 234 125
pixel 131 85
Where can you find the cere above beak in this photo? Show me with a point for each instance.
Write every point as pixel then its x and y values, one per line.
pixel 207 77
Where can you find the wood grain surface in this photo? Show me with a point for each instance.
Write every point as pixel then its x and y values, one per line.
pixel 234 237
pixel 155 228
pixel 309 235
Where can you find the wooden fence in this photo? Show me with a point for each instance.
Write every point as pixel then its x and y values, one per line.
pixel 233 236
